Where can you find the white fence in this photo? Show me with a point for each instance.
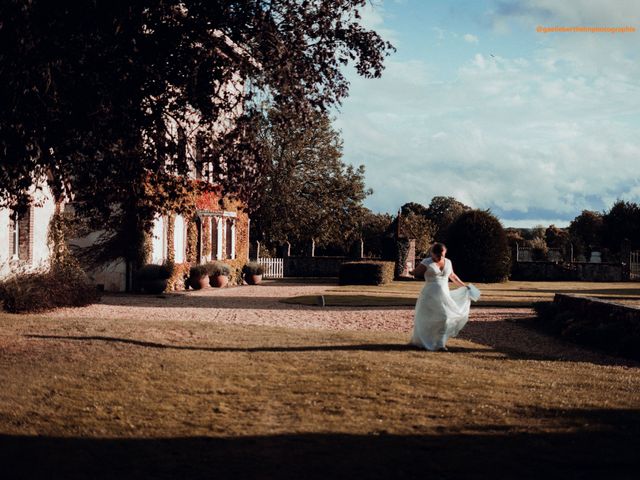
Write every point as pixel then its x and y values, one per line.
pixel 634 265
pixel 273 267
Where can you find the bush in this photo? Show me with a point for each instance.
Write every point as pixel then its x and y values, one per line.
pixel 152 272
pixel 216 268
pixel 366 273
pixel 198 271
pixel 252 268
pixel 477 245
pixel 539 249
pixel 64 285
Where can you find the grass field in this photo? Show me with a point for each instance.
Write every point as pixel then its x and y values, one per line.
pixel 122 398
pixel 508 294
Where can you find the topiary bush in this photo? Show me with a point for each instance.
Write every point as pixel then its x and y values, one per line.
pixel 154 279
pixel 198 271
pixel 477 245
pixel 366 273
pixel 152 272
pixel 217 268
pixel 252 268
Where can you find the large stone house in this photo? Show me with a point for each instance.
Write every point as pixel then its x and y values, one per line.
pixel 219 231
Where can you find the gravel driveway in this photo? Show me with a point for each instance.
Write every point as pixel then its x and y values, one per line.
pixel 261 305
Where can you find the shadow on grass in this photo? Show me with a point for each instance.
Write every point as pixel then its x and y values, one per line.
pixel 510 338
pixel 364 347
pixel 232 302
pixel 596 444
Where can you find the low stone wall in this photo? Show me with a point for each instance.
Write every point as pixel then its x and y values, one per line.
pixel 313 266
pixel 603 324
pixel 577 271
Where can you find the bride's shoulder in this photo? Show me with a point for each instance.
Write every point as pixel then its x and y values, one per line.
pixel 427 261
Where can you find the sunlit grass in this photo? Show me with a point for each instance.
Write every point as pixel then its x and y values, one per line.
pixel 507 294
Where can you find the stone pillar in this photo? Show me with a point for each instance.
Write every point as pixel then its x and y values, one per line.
pixel 285 250
pixel 411 256
pixel 313 248
pixel 361 248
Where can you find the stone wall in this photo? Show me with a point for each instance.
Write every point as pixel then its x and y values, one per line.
pixel 577 271
pixel 602 324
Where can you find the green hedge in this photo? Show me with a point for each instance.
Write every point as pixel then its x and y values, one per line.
pixel 64 285
pixel 366 273
pixel 477 245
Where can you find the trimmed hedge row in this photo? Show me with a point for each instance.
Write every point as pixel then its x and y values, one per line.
pixel 366 273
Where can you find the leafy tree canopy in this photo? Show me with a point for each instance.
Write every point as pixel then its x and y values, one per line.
pixel 93 91
pixel 306 192
pixel 443 211
pixel 621 225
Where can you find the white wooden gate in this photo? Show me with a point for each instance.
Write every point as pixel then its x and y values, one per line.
pixel 273 267
pixel 634 265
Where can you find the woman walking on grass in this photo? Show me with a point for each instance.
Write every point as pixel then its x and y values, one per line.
pixel 440 313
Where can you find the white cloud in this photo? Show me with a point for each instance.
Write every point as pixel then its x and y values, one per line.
pixel 373 19
pixel 574 13
pixel 536 138
pixel 470 38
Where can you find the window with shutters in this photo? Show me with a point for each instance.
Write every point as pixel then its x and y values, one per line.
pixel 21 235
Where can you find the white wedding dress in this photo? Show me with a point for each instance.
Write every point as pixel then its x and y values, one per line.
pixel 440 313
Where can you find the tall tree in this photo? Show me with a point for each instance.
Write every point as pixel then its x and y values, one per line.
pixel 556 237
pixel 92 92
pixel 622 226
pixel 443 211
pixel 586 231
pixel 306 192
pixel 375 228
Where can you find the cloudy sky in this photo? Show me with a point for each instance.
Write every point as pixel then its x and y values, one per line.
pixel 478 105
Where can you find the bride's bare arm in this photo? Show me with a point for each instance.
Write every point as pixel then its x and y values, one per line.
pixel 456 280
pixel 419 271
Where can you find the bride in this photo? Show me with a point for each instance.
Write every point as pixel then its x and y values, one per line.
pixel 440 313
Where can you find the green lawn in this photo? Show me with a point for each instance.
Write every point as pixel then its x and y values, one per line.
pixel 126 399
pixel 507 294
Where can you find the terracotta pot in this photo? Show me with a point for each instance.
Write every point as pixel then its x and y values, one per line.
pixel 154 287
pixel 198 283
pixel 253 279
pixel 219 281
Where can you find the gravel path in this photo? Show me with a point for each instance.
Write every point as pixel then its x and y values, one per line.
pixel 260 305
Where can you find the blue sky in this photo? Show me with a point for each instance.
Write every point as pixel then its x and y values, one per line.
pixel 478 105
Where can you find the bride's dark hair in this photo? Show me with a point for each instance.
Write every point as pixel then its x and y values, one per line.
pixel 437 249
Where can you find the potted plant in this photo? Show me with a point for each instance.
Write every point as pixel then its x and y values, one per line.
pixel 198 277
pixel 153 278
pixel 252 273
pixel 218 274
